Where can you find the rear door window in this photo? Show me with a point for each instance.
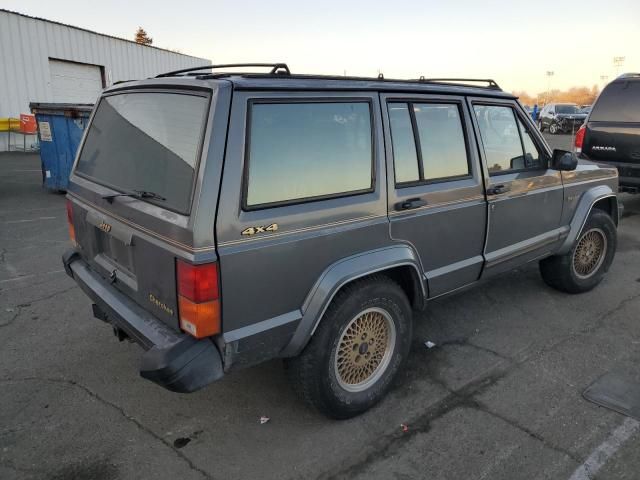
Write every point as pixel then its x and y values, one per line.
pixel 300 152
pixel 618 102
pixel 405 156
pixel 146 141
pixel 436 150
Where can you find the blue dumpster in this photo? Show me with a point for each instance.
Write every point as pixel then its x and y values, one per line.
pixel 60 129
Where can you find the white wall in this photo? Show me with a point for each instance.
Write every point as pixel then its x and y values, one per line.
pixel 27 44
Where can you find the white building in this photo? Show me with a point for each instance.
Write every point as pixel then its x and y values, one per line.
pixel 46 61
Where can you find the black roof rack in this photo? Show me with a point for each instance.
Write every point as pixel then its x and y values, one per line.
pixel 283 69
pixel 490 82
pixel 276 68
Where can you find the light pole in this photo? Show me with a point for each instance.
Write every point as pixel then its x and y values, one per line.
pixel 550 74
pixel 603 79
pixel 618 63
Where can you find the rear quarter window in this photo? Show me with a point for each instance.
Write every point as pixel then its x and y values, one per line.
pixel 307 151
pixel 618 102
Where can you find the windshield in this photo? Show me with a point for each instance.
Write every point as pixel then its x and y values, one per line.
pixel 567 109
pixel 146 141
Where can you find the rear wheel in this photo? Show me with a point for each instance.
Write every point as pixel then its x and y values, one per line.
pixel 362 341
pixel 585 265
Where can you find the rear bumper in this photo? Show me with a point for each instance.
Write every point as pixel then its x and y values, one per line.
pixel 173 360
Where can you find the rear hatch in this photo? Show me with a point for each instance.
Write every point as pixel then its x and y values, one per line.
pixel 613 127
pixel 140 140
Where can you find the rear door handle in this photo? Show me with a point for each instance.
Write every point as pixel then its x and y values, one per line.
pixel 411 203
pixel 497 189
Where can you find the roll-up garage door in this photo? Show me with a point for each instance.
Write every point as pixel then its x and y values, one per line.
pixel 75 82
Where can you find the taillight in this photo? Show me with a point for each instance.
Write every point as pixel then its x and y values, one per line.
pixel 198 298
pixel 72 230
pixel 579 139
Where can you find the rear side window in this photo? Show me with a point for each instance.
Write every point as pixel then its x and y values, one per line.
pixel 442 144
pixel 618 102
pixel 308 151
pixel 435 149
pixel 146 141
pixel 405 156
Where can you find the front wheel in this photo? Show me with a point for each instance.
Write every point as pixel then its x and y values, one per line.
pixel 540 126
pixel 362 341
pixel 585 265
pixel 553 129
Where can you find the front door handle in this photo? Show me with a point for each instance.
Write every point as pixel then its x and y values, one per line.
pixel 497 189
pixel 411 203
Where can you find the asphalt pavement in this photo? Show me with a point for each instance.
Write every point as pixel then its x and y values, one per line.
pixel 498 397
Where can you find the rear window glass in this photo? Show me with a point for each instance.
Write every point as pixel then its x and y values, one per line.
pixel 146 141
pixel 304 151
pixel 444 153
pixel 618 102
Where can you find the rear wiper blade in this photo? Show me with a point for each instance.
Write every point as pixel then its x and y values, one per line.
pixel 134 194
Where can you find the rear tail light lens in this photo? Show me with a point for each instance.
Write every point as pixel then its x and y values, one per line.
pixel 579 140
pixel 72 230
pixel 198 298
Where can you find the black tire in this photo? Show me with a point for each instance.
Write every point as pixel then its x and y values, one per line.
pixel 553 128
pixel 540 126
pixel 314 373
pixel 561 272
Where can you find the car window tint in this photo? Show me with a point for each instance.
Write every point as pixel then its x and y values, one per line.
pixel 442 141
pixel 532 156
pixel 500 138
pixel 146 141
pixel 405 157
pixel 307 150
pixel 618 102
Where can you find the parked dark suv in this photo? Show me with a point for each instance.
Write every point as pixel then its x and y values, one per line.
pixel 224 219
pixel 561 118
pixel 611 134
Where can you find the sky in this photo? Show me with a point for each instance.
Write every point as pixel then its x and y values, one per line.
pixel 514 42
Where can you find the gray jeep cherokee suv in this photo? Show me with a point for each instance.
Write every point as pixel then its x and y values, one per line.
pixel 224 219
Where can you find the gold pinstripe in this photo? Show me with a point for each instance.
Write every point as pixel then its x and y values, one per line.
pixel 299 230
pixel 151 233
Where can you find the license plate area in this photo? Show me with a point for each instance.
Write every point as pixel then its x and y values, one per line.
pixel 116 251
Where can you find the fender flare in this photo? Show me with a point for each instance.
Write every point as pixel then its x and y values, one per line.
pixel 341 273
pixel 587 201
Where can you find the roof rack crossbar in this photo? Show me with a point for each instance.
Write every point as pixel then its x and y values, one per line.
pixel 276 68
pixel 490 82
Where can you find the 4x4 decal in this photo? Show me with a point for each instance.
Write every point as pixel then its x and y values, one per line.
pixel 253 230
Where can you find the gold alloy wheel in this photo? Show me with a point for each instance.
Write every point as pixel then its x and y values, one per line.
pixel 365 349
pixel 589 253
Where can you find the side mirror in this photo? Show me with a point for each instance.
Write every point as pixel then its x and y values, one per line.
pixel 563 160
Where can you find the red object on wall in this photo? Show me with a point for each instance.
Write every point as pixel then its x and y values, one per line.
pixel 28 123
